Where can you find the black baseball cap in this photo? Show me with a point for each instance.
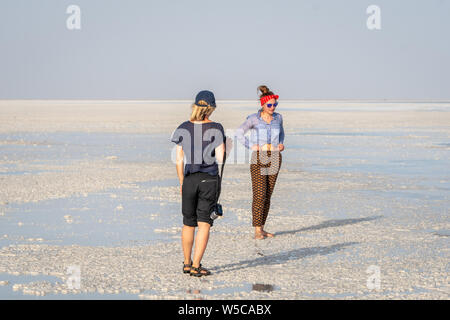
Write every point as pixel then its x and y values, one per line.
pixel 206 96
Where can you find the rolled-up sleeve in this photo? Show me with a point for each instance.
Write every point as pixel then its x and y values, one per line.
pixel 242 130
pixel 176 137
pixel 281 130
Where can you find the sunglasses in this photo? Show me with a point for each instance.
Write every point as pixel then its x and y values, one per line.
pixel 270 105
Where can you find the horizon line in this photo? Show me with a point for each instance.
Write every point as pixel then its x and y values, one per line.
pixel 233 100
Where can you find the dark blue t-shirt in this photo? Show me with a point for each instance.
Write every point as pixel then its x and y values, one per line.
pixel 199 141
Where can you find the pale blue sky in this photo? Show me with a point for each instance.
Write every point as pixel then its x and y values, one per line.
pixel 165 49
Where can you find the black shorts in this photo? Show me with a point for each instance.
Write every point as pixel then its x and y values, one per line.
pixel 198 198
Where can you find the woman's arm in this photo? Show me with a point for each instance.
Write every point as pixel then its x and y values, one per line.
pixel 281 130
pixel 180 165
pixel 243 128
pixel 281 139
pixel 220 152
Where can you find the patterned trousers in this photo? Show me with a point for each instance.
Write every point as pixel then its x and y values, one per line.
pixel 264 168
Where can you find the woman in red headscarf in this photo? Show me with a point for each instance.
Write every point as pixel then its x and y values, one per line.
pixel 266 142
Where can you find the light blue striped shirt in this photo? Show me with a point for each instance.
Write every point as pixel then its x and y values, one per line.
pixel 261 132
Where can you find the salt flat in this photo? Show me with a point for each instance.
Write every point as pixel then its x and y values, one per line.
pixel 91 184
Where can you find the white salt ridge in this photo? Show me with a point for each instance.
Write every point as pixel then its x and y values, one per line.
pixel 168 230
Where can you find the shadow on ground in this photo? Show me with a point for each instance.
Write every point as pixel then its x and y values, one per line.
pixel 329 224
pixel 282 257
pixel 297 253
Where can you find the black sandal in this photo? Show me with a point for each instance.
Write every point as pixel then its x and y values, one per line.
pixel 200 271
pixel 187 266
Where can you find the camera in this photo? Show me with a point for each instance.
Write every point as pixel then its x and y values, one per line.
pixel 217 211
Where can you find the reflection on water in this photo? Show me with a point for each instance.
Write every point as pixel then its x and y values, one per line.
pixel 219 287
pixel 193 291
pixel 262 287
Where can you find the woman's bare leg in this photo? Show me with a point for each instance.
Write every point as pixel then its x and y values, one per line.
pixel 187 241
pixel 201 240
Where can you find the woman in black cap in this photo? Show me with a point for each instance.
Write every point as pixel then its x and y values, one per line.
pixel 202 143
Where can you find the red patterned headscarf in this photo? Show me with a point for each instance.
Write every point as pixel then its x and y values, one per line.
pixel 267 98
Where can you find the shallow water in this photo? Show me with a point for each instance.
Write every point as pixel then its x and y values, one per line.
pixel 63 147
pixel 94 220
pixel 7 292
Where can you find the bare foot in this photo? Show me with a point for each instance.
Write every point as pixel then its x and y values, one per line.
pixel 267 234
pixel 260 236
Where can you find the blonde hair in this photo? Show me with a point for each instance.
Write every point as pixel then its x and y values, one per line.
pixel 199 113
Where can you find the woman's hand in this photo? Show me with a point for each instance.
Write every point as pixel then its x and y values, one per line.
pixel 280 147
pixel 229 146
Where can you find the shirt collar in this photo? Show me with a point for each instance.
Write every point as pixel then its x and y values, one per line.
pixel 259 114
pixel 275 115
